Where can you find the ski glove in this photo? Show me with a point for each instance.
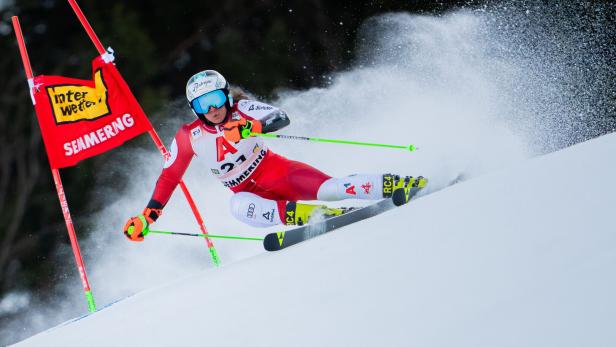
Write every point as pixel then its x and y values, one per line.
pixel 235 130
pixel 138 227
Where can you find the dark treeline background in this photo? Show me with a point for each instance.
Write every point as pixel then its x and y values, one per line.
pixel 264 44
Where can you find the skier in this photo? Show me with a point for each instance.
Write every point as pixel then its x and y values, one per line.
pixel 267 186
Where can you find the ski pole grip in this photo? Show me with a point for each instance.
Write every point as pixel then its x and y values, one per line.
pixel 246 133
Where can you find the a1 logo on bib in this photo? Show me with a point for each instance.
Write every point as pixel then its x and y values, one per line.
pixel 223 147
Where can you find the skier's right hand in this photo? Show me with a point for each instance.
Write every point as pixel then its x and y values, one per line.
pixel 136 228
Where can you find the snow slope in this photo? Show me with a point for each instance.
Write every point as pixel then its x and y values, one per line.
pixel 519 257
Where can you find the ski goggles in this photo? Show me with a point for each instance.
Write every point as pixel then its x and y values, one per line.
pixel 214 99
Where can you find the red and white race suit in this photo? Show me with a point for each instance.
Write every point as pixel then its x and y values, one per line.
pixel 268 180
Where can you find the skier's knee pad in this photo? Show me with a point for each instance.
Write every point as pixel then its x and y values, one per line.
pixel 255 210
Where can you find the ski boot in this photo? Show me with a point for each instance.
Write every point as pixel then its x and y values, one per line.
pixel 299 214
pixel 402 189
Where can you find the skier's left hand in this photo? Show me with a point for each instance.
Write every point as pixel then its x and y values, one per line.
pixel 136 228
pixel 235 130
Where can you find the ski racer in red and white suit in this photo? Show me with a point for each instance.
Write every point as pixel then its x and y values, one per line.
pixel 267 186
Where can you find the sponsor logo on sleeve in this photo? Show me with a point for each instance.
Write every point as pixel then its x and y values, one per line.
pixel 196 133
pixel 254 107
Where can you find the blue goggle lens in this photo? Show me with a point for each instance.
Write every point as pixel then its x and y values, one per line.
pixel 214 99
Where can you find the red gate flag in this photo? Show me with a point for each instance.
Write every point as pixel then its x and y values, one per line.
pixel 80 119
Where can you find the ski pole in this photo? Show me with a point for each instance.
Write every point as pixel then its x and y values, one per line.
pixel 248 133
pixel 208 235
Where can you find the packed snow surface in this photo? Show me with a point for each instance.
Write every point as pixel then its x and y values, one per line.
pixel 524 256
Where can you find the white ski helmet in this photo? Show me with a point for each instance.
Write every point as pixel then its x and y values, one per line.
pixel 205 82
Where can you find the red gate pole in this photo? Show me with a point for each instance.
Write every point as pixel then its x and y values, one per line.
pixel 56 177
pixel 161 147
